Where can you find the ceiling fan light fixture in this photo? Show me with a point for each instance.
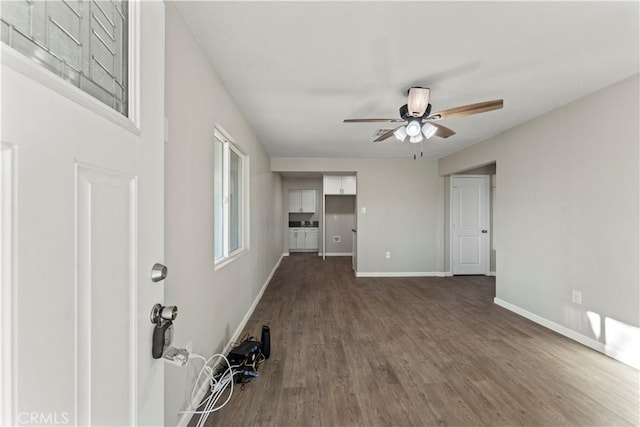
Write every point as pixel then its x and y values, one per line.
pixel 413 128
pixel 418 101
pixel 401 133
pixel 428 130
pixel 415 139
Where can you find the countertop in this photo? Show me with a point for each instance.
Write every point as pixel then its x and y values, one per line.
pixel 301 224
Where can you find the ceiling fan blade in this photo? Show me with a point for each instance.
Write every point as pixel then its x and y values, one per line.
pixel 386 135
pixel 418 100
pixel 442 131
pixel 467 110
pixel 372 120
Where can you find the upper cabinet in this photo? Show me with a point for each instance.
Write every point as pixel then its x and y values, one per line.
pixel 341 185
pixel 302 201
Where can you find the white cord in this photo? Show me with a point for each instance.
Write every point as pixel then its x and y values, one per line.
pixel 216 387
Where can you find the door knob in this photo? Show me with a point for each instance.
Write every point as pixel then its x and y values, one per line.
pixel 158 272
pixel 484 231
pixel 160 312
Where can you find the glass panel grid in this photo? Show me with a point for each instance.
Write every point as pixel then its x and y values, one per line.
pixel 84 42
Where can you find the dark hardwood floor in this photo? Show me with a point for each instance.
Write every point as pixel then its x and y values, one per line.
pixel 416 351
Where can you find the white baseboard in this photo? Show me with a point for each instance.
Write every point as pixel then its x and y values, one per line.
pixel 285 254
pixel 202 391
pixel 338 254
pixel 402 274
pixel 492 274
pixel 608 350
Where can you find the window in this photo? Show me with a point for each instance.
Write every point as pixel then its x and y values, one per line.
pixel 230 201
pixel 84 42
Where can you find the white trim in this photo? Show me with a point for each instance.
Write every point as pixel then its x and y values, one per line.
pixel 30 69
pixel 133 298
pixel 338 253
pixel 285 254
pixel 228 146
pixel 403 274
pixel 8 282
pixel 228 260
pixel 134 82
pixel 492 274
pixel 86 176
pixel 613 352
pixel 186 417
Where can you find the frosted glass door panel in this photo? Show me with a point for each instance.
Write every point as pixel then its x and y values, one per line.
pixel 84 42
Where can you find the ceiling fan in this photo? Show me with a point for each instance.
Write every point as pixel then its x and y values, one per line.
pixel 418 121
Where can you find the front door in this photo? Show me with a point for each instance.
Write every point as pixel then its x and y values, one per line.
pixel 82 225
pixel 469 224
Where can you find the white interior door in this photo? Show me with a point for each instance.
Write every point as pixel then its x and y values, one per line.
pixel 82 204
pixel 469 224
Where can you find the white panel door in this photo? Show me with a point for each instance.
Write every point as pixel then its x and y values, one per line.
pixel 469 224
pixel 86 224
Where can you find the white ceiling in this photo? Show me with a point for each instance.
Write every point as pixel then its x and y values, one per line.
pixel 297 69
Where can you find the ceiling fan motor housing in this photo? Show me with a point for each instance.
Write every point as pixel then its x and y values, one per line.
pixel 404 112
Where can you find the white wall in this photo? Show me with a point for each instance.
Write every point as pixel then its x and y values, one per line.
pixel 340 211
pixel 212 304
pixel 567 215
pixel 404 211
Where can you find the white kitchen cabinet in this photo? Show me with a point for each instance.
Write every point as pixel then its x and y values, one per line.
pixel 339 185
pixel 332 184
pixel 302 201
pixel 296 238
pixel 303 238
pixel 311 238
pixel 349 184
pixel 308 201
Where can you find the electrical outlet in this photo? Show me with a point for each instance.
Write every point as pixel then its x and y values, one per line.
pixel 336 239
pixel 576 296
pixel 388 255
pixel 363 210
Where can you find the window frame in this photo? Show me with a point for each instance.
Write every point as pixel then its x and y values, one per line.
pixel 31 69
pixel 229 255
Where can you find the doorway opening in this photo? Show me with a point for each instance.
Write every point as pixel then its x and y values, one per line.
pixel 470 198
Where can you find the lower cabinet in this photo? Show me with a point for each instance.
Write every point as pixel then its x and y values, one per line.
pixel 301 239
pixel 311 239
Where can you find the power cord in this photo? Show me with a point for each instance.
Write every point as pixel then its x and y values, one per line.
pixel 217 386
pixel 220 380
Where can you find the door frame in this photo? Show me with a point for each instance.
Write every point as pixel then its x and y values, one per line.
pixel 487 178
pixel 8 203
